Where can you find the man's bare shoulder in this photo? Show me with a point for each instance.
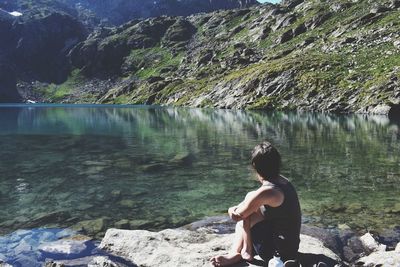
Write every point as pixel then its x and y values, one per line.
pixel 270 195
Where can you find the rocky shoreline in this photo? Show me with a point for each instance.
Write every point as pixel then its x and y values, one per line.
pixel 194 244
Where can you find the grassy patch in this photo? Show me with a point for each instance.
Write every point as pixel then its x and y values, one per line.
pixel 58 92
pixel 152 60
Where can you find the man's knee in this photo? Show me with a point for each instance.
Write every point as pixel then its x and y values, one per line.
pixel 239 225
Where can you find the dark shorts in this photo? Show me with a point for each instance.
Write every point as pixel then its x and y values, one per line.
pixel 266 243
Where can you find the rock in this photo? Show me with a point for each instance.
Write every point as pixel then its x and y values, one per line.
pixel 354 208
pixel 154 167
pixel 90 261
pixel 178 247
pixel 284 21
pixel 122 224
pixel 154 79
pixel 317 20
pixel 397 249
pixel 101 261
pixel 205 58
pixel 370 244
pixel 70 248
pixel 184 159
pixel 42 219
pixel 92 227
pixel 380 258
pixel 337 7
pixel 181 31
pixel 291 3
pixel 380 9
pixel 138 224
pixel 128 203
pixel 299 29
pixel 380 109
pixel 285 37
pixel 395 4
pixel 397 44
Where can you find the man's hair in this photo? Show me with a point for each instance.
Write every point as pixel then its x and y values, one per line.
pixel 266 160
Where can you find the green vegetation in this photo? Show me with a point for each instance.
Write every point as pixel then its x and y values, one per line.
pixel 152 60
pixel 59 92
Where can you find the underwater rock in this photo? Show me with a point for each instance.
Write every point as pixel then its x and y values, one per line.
pixel 63 247
pixel 91 227
pixel 122 224
pixel 42 219
pixel 155 167
pixel 129 203
pixel 184 159
pixel 138 224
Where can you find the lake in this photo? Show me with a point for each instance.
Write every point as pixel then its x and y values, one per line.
pixel 142 167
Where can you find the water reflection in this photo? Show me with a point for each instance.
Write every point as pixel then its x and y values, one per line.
pixel 153 167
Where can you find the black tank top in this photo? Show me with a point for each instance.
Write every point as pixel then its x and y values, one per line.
pixel 285 220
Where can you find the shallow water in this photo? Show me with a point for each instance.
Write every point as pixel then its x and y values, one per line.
pixel 164 167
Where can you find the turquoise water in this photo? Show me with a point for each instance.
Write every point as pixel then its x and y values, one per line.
pixel 136 167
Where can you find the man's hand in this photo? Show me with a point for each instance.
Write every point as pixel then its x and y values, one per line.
pixel 233 215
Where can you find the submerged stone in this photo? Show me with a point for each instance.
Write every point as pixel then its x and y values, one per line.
pixel 129 203
pixel 92 227
pixel 63 247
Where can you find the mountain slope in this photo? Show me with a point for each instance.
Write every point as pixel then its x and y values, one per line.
pixel 339 56
pixel 116 12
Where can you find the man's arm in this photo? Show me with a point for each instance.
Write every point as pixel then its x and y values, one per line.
pixel 254 200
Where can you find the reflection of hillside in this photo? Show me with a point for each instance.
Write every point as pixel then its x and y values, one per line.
pixel 311 127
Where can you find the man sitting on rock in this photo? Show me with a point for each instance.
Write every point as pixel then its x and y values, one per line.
pixel 269 218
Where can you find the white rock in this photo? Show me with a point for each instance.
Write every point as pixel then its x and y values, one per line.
pixel 370 243
pixel 380 109
pixel 397 249
pixel 177 247
pixel 312 245
pixel 101 261
pixel 64 247
pixel 381 258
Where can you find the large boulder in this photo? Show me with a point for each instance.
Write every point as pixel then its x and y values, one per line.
pixel 178 247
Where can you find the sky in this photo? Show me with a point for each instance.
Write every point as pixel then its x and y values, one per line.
pixel 271 1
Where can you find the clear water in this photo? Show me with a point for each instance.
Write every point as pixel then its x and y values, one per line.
pixel 156 167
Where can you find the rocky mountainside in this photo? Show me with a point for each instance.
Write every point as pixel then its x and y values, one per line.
pixel 116 12
pixel 338 56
